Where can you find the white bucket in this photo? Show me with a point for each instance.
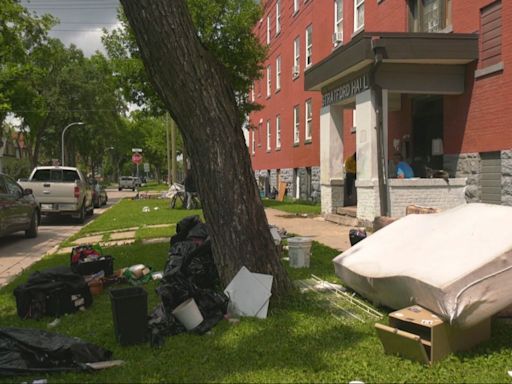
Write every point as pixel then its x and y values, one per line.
pixel 299 251
pixel 188 314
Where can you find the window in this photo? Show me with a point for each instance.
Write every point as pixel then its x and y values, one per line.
pixel 296 57
pixel 269 80
pixel 295 6
pixel 278 17
pixel 268 29
pixel 12 188
pixel 278 73
pixel 309 45
pixel 253 141
pixel 278 132
pixel 259 87
pixel 358 14
pixel 490 34
pixel 296 125
pixel 309 119
pixel 253 97
pixel 338 22
pixel 429 15
pixel 268 136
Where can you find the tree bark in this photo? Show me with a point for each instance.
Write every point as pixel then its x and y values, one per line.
pixel 196 90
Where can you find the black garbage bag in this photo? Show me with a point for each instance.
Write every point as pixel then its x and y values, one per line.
pixel 183 227
pixel 356 235
pixel 25 351
pixel 198 233
pixel 161 324
pixel 212 305
pixel 52 292
pixel 195 262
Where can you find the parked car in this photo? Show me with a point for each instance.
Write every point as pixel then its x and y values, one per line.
pixel 99 195
pixel 127 182
pixel 19 210
pixel 61 191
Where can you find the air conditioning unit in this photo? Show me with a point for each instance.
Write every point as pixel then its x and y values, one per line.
pixel 337 38
pixel 295 70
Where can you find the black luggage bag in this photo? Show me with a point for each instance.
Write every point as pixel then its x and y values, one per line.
pixel 52 292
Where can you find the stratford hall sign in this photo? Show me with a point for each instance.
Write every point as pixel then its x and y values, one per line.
pixel 346 90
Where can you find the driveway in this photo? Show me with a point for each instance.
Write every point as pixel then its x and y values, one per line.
pixel 18 253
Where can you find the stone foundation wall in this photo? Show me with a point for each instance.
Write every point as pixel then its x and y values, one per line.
pixel 466 165
pixel 287 175
pixel 506 177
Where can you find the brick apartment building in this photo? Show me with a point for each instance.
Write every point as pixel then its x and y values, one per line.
pixel 426 78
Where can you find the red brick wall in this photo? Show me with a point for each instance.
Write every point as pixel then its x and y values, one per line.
pixel 477 121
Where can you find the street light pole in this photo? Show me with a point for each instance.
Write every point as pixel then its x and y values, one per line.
pixel 63 132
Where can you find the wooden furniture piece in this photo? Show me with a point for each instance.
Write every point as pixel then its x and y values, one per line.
pixel 418 334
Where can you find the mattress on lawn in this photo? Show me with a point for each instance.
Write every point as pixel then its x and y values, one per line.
pixel 457 263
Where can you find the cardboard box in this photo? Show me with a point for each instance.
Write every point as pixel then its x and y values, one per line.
pixel 418 334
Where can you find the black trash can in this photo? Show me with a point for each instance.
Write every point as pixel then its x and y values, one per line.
pixel 130 314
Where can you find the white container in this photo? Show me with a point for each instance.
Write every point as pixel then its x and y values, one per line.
pixel 188 314
pixel 299 251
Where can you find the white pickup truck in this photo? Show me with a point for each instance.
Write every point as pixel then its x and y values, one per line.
pixel 61 191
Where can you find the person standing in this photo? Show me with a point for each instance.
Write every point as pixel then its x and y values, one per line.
pixel 190 188
pixel 350 180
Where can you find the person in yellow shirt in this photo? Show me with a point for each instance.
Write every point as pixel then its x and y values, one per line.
pixel 350 179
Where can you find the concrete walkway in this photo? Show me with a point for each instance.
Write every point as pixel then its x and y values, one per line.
pixel 325 232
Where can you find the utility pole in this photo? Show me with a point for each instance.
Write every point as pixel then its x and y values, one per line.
pixel 168 150
pixel 173 150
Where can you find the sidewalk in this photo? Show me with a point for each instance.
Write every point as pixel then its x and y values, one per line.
pixel 325 232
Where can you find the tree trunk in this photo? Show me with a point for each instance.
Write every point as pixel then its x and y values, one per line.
pixel 196 90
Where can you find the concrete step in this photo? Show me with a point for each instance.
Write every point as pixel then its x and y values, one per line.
pixel 342 219
pixel 347 211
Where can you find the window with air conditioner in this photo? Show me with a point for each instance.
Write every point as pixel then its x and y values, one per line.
pixel 359 15
pixel 429 15
pixel 278 132
pixel 268 136
pixel 309 46
pixel 278 16
pixel 308 120
pixel 278 73
pixel 253 142
pixel 337 36
pixel 296 57
pixel 296 125
pixel 269 80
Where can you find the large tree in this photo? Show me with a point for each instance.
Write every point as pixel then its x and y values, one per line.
pixel 198 91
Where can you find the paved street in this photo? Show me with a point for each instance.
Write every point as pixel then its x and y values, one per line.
pixel 17 252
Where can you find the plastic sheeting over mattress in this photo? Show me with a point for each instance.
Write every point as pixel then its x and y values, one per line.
pixel 456 263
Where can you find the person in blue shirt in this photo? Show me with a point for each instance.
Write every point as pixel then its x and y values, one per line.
pixel 403 170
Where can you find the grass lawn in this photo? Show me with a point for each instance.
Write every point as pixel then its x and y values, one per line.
pixel 154 187
pixel 129 213
pixel 299 342
pixel 150 233
pixel 298 207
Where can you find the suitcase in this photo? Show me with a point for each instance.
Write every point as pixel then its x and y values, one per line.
pixel 52 292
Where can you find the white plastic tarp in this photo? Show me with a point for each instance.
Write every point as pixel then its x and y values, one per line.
pixel 457 263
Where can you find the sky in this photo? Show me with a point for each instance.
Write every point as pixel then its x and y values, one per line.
pixel 81 21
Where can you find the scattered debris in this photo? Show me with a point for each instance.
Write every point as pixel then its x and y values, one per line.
pixel 249 294
pixel 146 209
pixel 299 251
pixel 54 323
pixel 355 235
pixel 338 298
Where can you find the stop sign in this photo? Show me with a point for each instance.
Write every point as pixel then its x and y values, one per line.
pixel 137 158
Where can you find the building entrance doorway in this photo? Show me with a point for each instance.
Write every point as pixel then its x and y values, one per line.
pixel 427 134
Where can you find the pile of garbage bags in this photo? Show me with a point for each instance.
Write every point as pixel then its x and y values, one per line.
pixel 25 351
pixel 190 272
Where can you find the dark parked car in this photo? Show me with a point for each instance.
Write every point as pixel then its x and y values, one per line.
pixel 19 210
pixel 99 195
